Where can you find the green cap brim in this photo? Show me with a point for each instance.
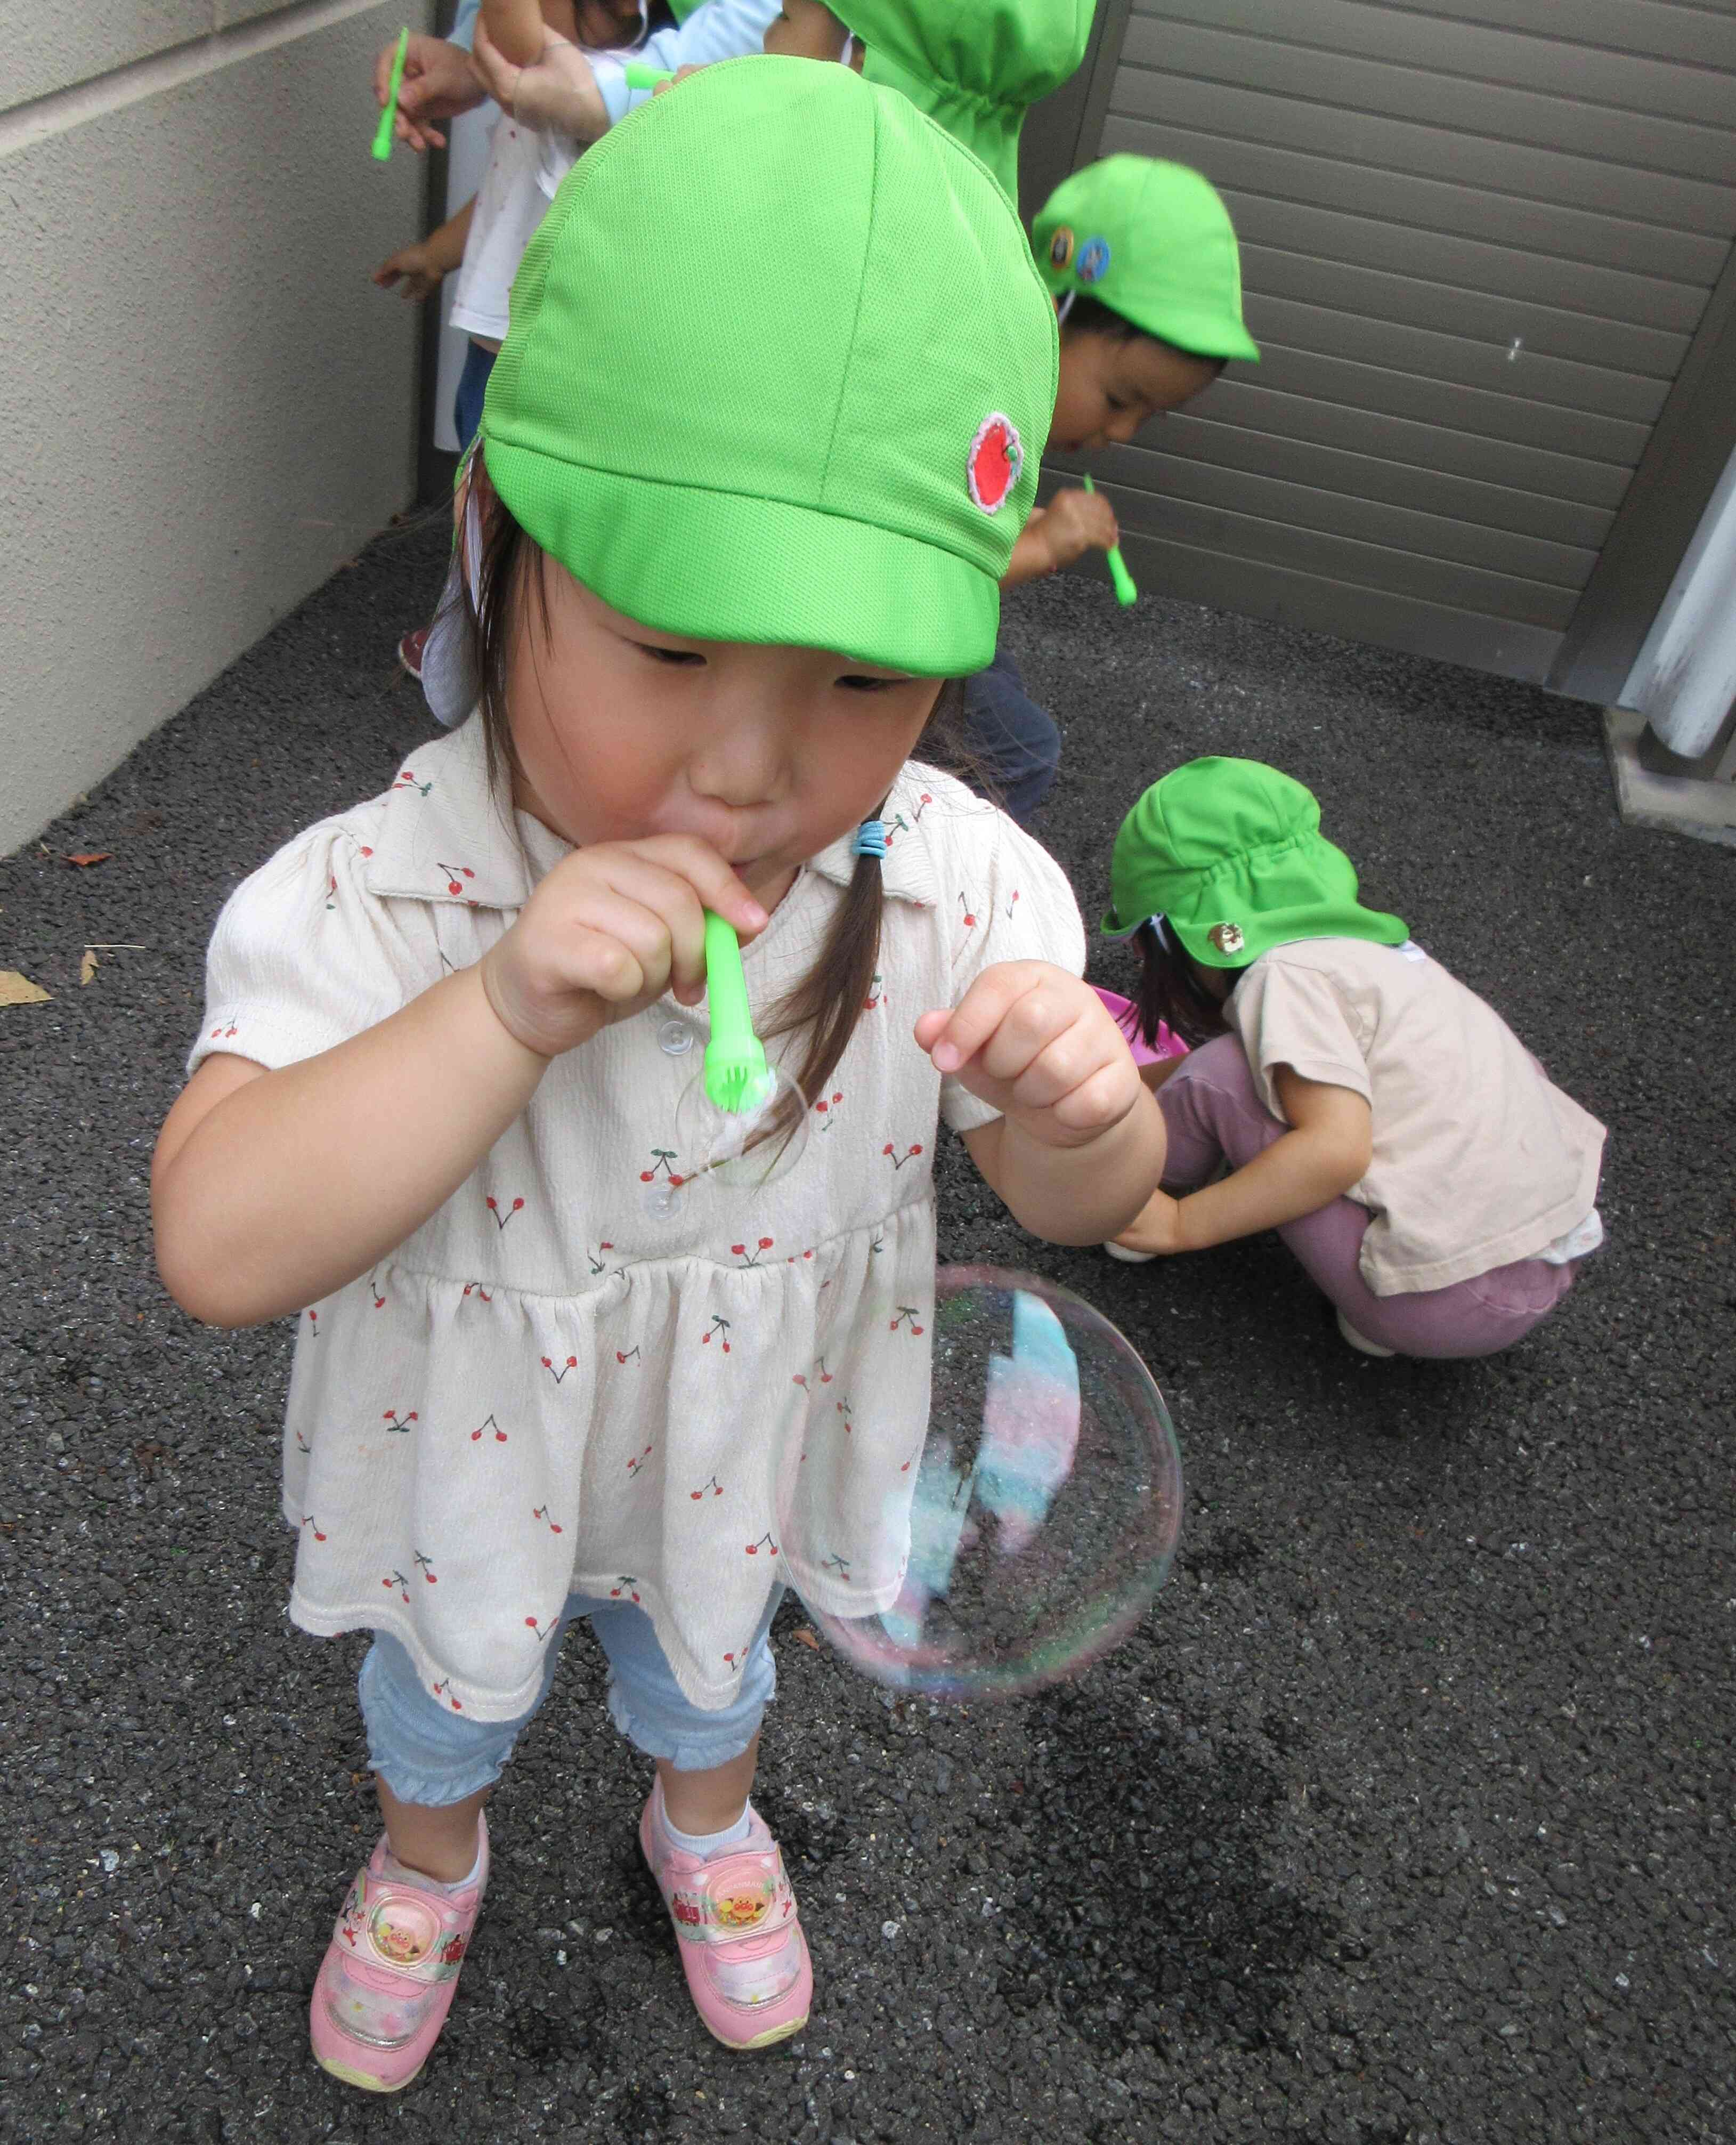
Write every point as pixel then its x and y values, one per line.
pixel 798 575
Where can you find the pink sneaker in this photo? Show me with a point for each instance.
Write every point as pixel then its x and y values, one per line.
pixel 741 1942
pixel 387 1980
pixel 411 648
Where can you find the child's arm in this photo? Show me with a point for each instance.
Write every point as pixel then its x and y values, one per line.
pixel 516 29
pixel 424 267
pixel 1080 1144
pixel 1327 1150
pixel 271 1189
pixel 556 92
pixel 1073 523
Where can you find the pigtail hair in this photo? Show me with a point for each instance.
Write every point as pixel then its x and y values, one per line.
pixel 1171 991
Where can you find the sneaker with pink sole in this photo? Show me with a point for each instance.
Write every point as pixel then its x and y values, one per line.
pixel 388 1975
pixel 739 1936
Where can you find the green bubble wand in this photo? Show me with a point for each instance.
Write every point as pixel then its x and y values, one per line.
pixel 389 115
pixel 640 77
pixel 1124 591
pixel 737 1076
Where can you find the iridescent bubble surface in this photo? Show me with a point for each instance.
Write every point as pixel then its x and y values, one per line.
pixel 1037 1521
pixel 737 1150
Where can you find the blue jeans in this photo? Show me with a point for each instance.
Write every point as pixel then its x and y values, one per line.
pixel 1017 743
pixel 428 1755
pixel 472 386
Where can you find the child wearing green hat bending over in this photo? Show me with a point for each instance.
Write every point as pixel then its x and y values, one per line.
pixel 731 544
pixel 1381 1117
pixel 1141 255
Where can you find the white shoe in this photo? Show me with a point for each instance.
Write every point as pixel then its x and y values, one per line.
pixel 1127 1256
pixel 1361 1340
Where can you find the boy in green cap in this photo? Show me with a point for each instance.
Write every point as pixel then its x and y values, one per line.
pixel 1141 258
pixel 1381 1117
pixel 730 542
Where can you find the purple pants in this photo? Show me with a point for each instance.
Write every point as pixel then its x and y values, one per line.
pixel 1213 1114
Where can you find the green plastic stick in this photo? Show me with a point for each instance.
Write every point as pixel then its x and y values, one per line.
pixel 388 114
pixel 1124 591
pixel 737 1076
pixel 641 77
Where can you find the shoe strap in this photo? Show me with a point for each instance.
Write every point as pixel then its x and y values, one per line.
pixel 733 1897
pixel 414 1935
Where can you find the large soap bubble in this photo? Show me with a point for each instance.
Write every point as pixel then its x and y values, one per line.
pixel 1038 1520
pixel 739 1151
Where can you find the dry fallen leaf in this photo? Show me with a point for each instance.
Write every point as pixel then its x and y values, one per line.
pixel 803 1636
pixel 91 857
pixel 87 966
pixel 19 990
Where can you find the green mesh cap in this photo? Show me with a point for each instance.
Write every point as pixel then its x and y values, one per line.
pixel 1230 854
pixel 1154 242
pixel 780 370
pixel 975 65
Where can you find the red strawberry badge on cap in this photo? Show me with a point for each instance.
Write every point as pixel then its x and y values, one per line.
pixel 997 456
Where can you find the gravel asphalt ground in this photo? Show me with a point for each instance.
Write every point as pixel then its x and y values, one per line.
pixel 1403 1819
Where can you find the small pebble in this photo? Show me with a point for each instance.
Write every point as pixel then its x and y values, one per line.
pixel 888 1930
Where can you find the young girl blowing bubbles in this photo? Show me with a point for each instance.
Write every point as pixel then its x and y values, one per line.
pixel 1381 1117
pixel 732 539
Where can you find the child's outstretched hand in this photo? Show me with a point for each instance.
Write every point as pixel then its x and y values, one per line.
pixel 1155 1228
pixel 1041 1046
pixel 411 269
pixel 609 930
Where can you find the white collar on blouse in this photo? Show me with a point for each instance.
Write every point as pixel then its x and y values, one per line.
pixel 446 837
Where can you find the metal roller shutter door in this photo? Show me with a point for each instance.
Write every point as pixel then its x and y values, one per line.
pixel 1479 240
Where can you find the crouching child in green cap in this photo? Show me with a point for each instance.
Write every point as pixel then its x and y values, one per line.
pixel 734 551
pixel 1381 1117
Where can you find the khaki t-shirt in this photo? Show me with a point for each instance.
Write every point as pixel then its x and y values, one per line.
pixel 1478 1159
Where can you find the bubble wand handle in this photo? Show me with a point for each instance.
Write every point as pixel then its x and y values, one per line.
pixel 736 1072
pixel 1124 591
pixel 638 76
pixel 389 113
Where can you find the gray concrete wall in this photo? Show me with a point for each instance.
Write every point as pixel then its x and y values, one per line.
pixel 205 404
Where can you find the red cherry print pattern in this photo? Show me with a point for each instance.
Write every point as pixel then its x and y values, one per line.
pixel 542 1630
pixel 570 1364
pixel 899 1160
pixel 488 1422
pixel 662 1158
pixel 764 1541
pixel 457 875
pixel 493 1206
pixel 425 1565
pixel 444 1690
pixel 398 1425
pixel 479 1290
pixel 634 1466
pixel 309 1522
pixel 541 1512
pixel 625 1584
pixel 630 1356
pixel 715 1487
pixel 401 1583
pixel 907 1317
pixel 751 1258
pixel 719 1326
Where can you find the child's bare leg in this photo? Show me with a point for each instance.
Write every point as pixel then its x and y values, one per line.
pixel 710 1801
pixel 439 1841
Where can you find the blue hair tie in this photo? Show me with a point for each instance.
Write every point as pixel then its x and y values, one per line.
pixel 870 839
